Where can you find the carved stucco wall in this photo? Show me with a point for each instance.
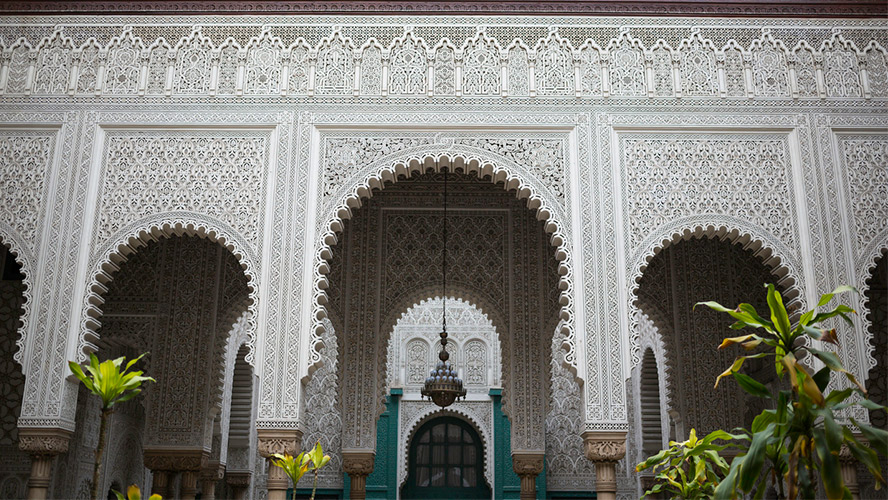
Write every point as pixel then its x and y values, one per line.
pixel 678 277
pixel 813 88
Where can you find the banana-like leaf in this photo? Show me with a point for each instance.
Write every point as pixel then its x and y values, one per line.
pixel 829 467
pixel 752 386
pixel 825 298
pixel 779 317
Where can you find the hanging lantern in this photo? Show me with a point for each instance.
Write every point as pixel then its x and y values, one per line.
pixel 443 386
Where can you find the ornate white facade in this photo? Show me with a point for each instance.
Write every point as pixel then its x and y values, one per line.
pixel 243 152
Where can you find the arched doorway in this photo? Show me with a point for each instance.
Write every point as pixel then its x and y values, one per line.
pixel 446 460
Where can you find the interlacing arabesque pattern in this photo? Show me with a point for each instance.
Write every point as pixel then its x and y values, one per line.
pixel 865 162
pixel 214 173
pixel 25 161
pixel 323 420
pixel 674 176
pixel 410 65
pixel 566 466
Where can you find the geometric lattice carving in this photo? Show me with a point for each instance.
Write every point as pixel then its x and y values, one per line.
pixel 12 381
pixel 877 309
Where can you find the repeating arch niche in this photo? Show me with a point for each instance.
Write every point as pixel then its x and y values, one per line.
pixel 764 247
pixel 107 261
pixel 387 171
pixel 722 266
pixel 10 252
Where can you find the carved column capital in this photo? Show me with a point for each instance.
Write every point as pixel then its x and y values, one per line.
pixel 528 464
pixel 189 459
pixel 38 441
pixel 604 446
pixel 238 479
pixel 272 441
pixel 358 461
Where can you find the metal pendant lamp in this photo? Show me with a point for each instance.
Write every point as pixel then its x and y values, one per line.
pixel 443 386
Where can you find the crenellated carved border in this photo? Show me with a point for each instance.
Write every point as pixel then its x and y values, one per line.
pixel 560 59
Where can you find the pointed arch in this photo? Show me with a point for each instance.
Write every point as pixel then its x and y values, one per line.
pixel 105 262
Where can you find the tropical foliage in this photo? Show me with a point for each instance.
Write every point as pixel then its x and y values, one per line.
pixel 296 467
pixel 690 469
pixel 795 444
pixel 112 385
pixel 134 493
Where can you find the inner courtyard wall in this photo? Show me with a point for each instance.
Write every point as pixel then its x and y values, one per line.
pixel 624 134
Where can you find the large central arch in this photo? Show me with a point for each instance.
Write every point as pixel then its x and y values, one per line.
pixel 486 165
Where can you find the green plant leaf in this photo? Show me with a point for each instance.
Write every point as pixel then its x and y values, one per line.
pixel 825 298
pixel 821 378
pixel 779 317
pixel 878 438
pixel 829 467
pixel 755 457
pixel 752 386
pixel 832 362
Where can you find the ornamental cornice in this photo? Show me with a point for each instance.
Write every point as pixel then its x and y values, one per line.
pixel 559 58
pixel 756 8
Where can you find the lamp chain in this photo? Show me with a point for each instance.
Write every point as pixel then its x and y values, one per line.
pixel 444 269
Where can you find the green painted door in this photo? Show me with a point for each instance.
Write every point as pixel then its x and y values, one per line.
pixel 446 460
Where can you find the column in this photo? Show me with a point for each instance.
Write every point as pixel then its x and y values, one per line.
pixel 208 479
pixel 239 482
pixel 43 445
pixel 528 465
pixel 848 467
pixel 278 441
pixel 605 448
pixel 358 463
pixel 165 462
